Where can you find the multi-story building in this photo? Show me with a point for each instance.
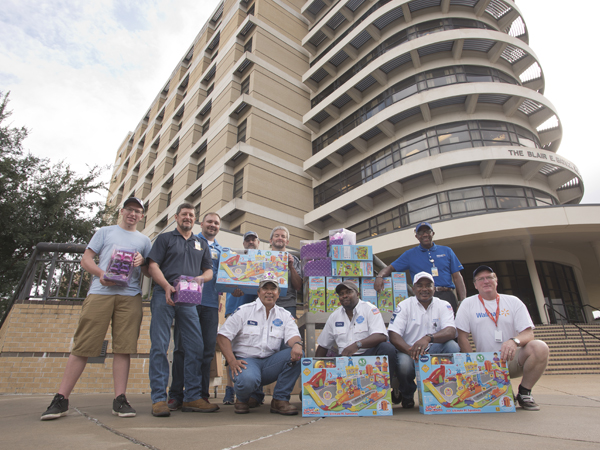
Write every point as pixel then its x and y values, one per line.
pixel 373 116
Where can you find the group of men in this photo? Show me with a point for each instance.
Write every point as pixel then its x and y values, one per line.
pixel 260 339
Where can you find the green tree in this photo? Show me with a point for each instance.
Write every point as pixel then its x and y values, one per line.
pixel 40 202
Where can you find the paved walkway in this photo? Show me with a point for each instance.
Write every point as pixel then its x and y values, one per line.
pixel 569 418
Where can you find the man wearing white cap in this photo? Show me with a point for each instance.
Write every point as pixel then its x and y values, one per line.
pixel 420 324
pixel 251 340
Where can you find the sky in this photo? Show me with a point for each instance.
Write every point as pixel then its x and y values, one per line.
pixel 81 74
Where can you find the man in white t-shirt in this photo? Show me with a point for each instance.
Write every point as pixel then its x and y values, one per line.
pixel 420 324
pixel 501 323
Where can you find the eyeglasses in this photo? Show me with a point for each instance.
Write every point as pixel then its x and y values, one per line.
pixel 485 279
pixel 134 211
pixel 421 233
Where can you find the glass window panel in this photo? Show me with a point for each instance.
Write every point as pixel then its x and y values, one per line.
pixel 458 194
pixel 512 203
pixel 511 191
pixel 474 204
pixel 497 136
pixel 424 214
pixel 422 203
pixel 491 203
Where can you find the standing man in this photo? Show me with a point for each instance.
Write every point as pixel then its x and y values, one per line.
pixel 501 323
pixel 438 260
pixel 420 324
pixel 251 340
pixel 108 302
pixel 173 254
pixel 208 314
pixel 280 238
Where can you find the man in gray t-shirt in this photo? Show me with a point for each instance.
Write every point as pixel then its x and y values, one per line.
pixel 280 238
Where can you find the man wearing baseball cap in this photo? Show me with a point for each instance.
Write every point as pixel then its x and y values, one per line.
pixel 501 323
pixel 251 340
pixel 420 324
pixel 437 260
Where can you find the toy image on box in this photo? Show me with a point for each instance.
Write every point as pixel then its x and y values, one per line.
pixel 346 386
pixel 351 253
pixel 459 383
pixel 351 269
pixel 341 236
pixel 399 287
pixel 187 291
pixel 333 299
pixel 317 268
pixel 385 298
pixel 367 290
pixel 120 267
pixel 245 270
pixel 313 249
pixel 314 292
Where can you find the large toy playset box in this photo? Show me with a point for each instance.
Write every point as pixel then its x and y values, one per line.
pixel 346 386
pixel 459 383
pixel 244 269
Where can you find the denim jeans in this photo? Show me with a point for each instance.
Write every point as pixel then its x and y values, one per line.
pixel 261 371
pixel 186 318
pixel 406 366
pixel 209 323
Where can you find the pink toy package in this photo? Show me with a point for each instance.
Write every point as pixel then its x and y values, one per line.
pixel 120 267
pixel 187 291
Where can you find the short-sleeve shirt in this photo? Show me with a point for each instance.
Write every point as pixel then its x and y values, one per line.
pixel 210 296
pixel 472 318
pixel 412 321
pixel 102 244
pixel 419 259
pixel 290 297
pixel 342 331
pixel 178 256
pixel 254 335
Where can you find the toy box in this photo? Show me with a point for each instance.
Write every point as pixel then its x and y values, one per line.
pixel 346 386
pixel 314 293
pixel 120 267
pixel 399 287
pixel 244 269
pixel 367 290
pixel 333 300
pixel 351 269
pixel 458 383
pixel 385 298
pixel 313 249
pixel 317 268
pixel 341 236
pixel 351 252
pixel 187 291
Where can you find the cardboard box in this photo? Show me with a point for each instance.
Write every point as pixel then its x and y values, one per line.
pixel 314 294
pixel 120 267
pixel 367 290
pixel 385 298
pixel 332 300
pixel 341 236
pixel 355 280
pixel 351 269
pixel 399 287
pixel 317 267
pixel 459 383
pixel 346 386
pixel 238 269
pixel 313 250
pixel 351 253
pixel 187 291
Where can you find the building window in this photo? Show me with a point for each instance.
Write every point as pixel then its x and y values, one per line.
pixel 241 135
pixel 200 169
pixel 238 184
pixel 197 212
pixel 210 89
pixel 248 46
pixel 145 214
pixel 174 159
pixel 169 199
pixel 250 11
pixel 205 127
pixel 246 85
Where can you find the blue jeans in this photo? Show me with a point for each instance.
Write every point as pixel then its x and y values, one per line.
pixel 209 323
pixel 186 318
pixel 261 371
pixel 406 366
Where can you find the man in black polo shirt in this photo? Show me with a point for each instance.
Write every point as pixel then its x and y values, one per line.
pixel 176 253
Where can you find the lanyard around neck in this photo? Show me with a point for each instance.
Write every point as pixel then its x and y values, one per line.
pixel 497 310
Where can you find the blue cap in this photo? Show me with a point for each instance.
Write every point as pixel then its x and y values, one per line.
pixel 482 269
pixel 249 233
pixel 423 224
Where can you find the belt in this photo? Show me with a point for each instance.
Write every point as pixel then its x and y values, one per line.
pixel 443 289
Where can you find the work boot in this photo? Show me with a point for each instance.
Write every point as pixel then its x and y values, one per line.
pixel 199 405
pixel 241 407
pixel 283 407
pixel 253 403
pixel 160 409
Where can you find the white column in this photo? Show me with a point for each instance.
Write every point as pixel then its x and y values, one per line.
pixel 535 280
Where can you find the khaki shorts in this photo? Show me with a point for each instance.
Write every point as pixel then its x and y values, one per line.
pixel 514 369
pixel 97 312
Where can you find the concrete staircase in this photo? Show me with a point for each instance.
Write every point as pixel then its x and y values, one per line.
pixel 567 353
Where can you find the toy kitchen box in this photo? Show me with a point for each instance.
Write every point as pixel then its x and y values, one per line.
pixel 346 386
pixel 459 383
pixel 244 269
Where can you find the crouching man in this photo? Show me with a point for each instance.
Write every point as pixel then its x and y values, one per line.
pixel 251 341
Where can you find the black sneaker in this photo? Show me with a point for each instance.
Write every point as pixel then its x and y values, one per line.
pixel 122 408
pixel 526 402
pixel 58 408
pixel 408 402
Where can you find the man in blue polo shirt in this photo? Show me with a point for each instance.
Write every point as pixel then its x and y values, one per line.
pixel 438 260
pixel 173 254
pixel 208 313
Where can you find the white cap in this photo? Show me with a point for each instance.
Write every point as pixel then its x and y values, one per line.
pixel 423 275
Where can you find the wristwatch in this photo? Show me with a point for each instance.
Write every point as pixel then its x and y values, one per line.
pixel 358 344
pixel 517 341
pixel 430 336
pixel 298 342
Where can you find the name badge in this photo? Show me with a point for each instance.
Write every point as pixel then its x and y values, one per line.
pixel 214 254
pixel 253 322
pixel 339 324
pixel 498 335
pixel 434 271
pixel 197 245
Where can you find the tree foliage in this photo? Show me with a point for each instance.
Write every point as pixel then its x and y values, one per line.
pixel 40 201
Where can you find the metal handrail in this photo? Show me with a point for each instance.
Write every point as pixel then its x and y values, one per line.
pixel 547 307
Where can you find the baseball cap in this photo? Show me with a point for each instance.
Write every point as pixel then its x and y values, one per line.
pixel 423 275
pixel 482 269
pixel 135 200
pixel 347 284
pixel 268 277
pixel 250 233
pixel 423 224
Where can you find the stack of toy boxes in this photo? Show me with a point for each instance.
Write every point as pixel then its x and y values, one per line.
pixel 244 269
pixel 316 265
pixel 333 300
pixel 458 383
pixel 384 299
pixel 399 287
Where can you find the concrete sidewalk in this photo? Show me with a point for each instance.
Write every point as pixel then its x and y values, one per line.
pixel 569 418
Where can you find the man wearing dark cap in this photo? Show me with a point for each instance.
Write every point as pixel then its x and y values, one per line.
pixel 106 302
pixel 356 328
pixel 251 341
pixel 438 260
pixel 501 323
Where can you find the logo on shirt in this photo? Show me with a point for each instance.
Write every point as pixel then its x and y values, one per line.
pixel 360 319
pixel 481 315
pixel 339 324
pixel 441 255
pixel 375 311
pixel 449 307
pixel 278 322
pixel 392 319
pixel 253 322
pixel 505 312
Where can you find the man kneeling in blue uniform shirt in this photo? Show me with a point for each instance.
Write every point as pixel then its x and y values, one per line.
pixel 251 340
